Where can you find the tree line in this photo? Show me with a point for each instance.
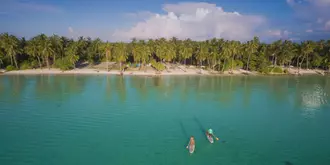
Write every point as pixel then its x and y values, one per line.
pixel 215 54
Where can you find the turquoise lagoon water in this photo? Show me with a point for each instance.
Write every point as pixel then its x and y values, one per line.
pixel 105 120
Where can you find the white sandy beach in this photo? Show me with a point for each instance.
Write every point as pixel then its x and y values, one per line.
pixel 179 70
pixel 112 72
pixel 149 72
pixel 306 71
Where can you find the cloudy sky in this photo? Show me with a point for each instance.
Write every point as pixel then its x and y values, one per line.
pixel 121 20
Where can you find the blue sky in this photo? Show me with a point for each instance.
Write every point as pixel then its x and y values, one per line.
pixel 119 20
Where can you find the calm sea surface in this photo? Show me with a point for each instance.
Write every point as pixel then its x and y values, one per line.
pixel 111 120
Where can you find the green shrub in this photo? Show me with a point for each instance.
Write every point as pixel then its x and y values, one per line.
pixel 10 68
pixel 225 67
pixel 238 63
pixel 63 64
pixel 34 64
pixel 218 67
pixel 264 70
pixel 157 65
pixel 277 70
pixel 25 65
pixel 252 66
pixel 286 71
pixel 231 64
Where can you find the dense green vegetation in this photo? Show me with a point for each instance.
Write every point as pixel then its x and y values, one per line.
pixel 216 54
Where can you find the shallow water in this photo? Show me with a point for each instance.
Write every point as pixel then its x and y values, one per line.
pixel 71 119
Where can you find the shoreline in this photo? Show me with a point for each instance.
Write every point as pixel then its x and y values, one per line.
pixel 191 72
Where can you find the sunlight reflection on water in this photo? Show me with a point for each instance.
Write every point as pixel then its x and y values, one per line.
pixel 312 99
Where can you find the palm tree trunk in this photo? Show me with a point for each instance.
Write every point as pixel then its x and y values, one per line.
pixel 43 60
pixel 140 65
pixel 232 64
pixel 301 62
pixel 47 61
pixel 247 65
pixel 107 61
pixel 275 60
pixel 214 61
pixel 224 65
pixel 39 62
pixel 120 67
pixel 297 62
pixel 15 61
pixel 54 58
pixel 219 64
pixel 307 61
pixel 11 60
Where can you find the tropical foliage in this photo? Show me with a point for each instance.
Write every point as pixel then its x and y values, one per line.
pixel 215 54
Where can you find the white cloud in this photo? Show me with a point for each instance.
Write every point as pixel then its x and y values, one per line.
pixel 286 33
pixel 275 33
pixel 290 2
pixel 70 29
pixel 327 25
pixel 294 39
pixel 319 20
pixel 198 21
pixel 278 34
pixel 309 31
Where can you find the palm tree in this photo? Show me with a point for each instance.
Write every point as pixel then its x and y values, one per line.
pixel 253 55
pixel 326 60
pixel 307 49
pixel 82 48
pixel 170 51
pixel 287 53
pixel 135 50
pixel 57 46
pixel 214 52
pixel 185 50
pixel 9 44
pixel 202 52
pixel 160 48
pixel 120 54
pixel 71 53
pixel 107 49
pixel 45 47
pixel 94 50
pixel 225 53
pixel 32 49
pixel 262 60
pixel 234 47
pixel 252 48
pixel 2 56
pixel 145 53
pixel 275 48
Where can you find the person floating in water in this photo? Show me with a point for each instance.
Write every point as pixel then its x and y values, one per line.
pixel 210 133
pixel 191 145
